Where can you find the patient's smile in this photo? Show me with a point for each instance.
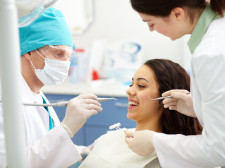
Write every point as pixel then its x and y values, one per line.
pixel 132 104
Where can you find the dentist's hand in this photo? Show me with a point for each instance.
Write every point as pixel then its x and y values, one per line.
pixel 140 142
pixel 181 101
pixel 78 110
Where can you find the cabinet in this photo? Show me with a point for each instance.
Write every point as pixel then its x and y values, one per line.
pixel 113 112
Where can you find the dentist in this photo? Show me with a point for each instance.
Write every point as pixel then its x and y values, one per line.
pixel 205 21
pixel 46 49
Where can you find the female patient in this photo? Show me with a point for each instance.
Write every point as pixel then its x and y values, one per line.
pixel 150 81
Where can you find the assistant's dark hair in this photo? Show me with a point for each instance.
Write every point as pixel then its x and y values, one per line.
pixel 170 75
pixel 164 7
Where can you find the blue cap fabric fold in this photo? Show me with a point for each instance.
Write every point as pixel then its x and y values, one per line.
pixel 50 28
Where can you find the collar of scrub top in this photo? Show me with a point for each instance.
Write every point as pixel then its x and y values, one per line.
pixel 201 27
pixel 63 103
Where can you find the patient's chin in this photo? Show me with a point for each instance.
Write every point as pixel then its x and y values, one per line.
pixel 132 116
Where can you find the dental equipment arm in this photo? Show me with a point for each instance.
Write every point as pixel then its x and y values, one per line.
pixel 12 105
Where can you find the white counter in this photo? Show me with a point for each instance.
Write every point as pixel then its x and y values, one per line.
pixel 100 88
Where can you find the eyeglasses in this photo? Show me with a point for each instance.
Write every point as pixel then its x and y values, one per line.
pixel 57 52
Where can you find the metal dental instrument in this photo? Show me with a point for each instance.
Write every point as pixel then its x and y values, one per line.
pixel 105 99
pixel 159 98
pixel 63 103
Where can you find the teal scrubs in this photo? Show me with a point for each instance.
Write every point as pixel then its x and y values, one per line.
pixel 51 122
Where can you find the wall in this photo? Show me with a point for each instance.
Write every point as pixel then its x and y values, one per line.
pixel 115 20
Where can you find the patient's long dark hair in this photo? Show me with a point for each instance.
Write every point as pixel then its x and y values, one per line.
pixel 170 75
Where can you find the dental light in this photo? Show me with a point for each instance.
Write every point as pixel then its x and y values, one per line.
pixel 29 10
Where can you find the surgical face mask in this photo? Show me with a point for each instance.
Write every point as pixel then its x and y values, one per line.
pixel 54 71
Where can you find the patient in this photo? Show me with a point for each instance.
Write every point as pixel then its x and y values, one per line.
pixel 151 80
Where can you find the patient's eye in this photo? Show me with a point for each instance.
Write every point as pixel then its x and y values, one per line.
pixel 141 86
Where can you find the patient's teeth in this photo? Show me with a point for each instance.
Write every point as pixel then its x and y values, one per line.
pixel 132 103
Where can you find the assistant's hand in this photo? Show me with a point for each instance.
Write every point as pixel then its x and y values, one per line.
pixel 181 101
pixel 78 110
pixel 141 142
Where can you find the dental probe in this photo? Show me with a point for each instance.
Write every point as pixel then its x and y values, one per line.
pixel 63 103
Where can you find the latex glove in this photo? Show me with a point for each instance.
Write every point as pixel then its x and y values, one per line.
pixel 141 142
pixel 78 110
pixel 181 101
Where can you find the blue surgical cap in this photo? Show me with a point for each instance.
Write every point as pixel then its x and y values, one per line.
pixel 50 28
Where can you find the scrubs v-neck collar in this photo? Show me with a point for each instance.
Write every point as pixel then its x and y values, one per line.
pixel 201 27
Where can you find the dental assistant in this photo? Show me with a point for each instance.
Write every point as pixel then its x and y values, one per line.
pixel 46 50
pixel 205 22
